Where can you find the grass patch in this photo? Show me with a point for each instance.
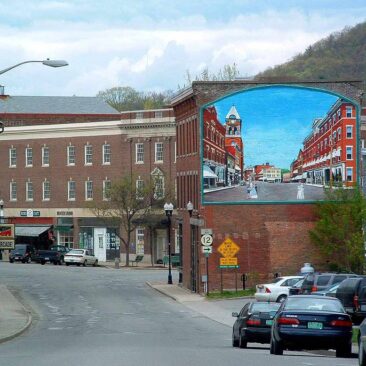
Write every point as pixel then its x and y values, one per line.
pixel 355 332
pixel 231 294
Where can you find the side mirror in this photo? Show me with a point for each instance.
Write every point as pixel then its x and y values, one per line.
pixel 235 315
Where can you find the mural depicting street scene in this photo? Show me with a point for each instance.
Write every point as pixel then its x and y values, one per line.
pixel 277 143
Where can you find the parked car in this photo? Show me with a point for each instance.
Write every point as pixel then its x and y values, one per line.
pixel 311 322
pixel 80 256
pixel 54 255
pixel 296 288
pixel 277 290
pixel 329 291
pixel 24 253
pixel 362 344
pixel 320 281
pixel 352 294
pixel 253 323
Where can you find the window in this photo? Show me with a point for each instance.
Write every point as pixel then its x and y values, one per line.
pixel 339 278
pixel 45 156
pixel 106 154
pixel 139 115
pixel 323 280
pixel 106 189
pixel 13 191
pixel 349 111
pixel 89 190
pixel 46 191
pixel 158 114
pixel 349 151
pixel 28 156
pixel 159 152
pixel 12 157
pixel 159 187
pixel 140 233
pixel 339 134
pixel 88 154
pixel 71 155
pixel 139 188
pixel 29 191
pixel 175 151
pixel 349 174
pixel 139 153
pixel 71 190
pixel 349 132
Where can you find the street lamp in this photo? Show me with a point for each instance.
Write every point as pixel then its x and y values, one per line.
pixel 168 208
pixel 48 62
pixel 190 208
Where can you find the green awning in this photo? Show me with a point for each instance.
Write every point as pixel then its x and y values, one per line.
pixel 63 228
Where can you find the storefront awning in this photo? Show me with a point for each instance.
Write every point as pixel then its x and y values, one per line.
pixel 64 228
pixel 32 231
pixel 208 173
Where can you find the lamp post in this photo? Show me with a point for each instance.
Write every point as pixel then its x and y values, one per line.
pixel 168 208
pixel 48 62
pixel 190 208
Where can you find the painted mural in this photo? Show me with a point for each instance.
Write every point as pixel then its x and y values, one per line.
pixel 277 144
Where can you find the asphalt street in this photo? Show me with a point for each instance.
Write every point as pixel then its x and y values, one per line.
pixel 265 192
pixel 100 316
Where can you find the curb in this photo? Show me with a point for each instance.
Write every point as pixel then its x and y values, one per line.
pixel 160 291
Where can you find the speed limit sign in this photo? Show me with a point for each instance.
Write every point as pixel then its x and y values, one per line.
pixel 206 240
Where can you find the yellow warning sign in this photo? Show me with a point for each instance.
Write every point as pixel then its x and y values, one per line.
pixel 229 261
pixel 228 248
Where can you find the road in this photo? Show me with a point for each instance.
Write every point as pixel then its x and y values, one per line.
pixel 265 192
pixel 99 316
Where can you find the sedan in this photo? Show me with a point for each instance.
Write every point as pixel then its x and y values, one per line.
pixel 80 256
pixel 253 323
pixel 312 322
pixel 278 290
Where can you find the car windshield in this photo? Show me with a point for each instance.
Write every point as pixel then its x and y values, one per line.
pixel 315 304
pixel 298 284
pixel 76 251
pixel 265 307
pixel 19 249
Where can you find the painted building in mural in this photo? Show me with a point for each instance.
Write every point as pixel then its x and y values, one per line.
pixel 65 153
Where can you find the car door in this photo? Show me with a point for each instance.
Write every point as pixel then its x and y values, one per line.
pixel 243 315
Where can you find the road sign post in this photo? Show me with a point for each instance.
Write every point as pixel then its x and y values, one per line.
pixel 206 241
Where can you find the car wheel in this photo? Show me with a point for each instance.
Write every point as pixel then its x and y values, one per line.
pixel 344 350
pixel 55 263
pixel 62 261
pixel 276 347
pixel 67 264
pixel 43 263
pixel 78 264
pixel 11 260
pixel 281 298
pixel 235 342
pixel 242 342
pixel 361 353
pixel 85 263
pixel 95 263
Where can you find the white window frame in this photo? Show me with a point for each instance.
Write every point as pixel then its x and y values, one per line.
pixel 347 148
pixel 105 183
pixel 28 157
pixel 13 192
pixel 349 109
pixel 106 154
pixel 158 114
pixel 69 156
pixel 139 182
pixel 69 190
pixel 46 197
pixel 349 126
pixel 351 175
pixel 88 190
pixel 158 152
pixel 88 154
pixel 140 234
pixel 29 193
pixel 12 157
pixel 139 115
pixel 138 153
pixel 45 156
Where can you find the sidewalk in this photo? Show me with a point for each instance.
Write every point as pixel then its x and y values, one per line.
pixel 111 264
pixel 14 318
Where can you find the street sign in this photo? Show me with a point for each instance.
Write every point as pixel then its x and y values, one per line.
pixel 206 231
pixel 228 261
pixel 207 250
pixel 206 240
pixel 228 248
pixel 6 243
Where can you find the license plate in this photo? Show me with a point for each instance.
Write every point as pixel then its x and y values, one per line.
pixel 47 259
pixel 17 257
pixel 315 325
pixel 269 322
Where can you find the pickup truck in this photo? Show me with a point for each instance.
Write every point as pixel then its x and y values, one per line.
pixel 55 254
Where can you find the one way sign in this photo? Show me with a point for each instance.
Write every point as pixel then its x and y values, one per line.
pixel 206 250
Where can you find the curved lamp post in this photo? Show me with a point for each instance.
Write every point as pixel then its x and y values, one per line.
pixel 168 208
pixel 48 62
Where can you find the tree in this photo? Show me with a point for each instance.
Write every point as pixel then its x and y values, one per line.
pixel 339 231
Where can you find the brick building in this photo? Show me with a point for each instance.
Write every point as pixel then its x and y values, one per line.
pixel 273 238
pixel 66 152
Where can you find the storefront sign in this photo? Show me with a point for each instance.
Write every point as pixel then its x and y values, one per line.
pixel 30 213
pixel 6 236
pixel 65 213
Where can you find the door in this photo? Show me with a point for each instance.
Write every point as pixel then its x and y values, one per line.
pixel 161 238
pixel 100 244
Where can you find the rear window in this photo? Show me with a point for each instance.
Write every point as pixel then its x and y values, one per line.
pixel 265 307
pixel 338 279
pixel 75 251
pixel 315 304
pixel 277 279
pixel 323 280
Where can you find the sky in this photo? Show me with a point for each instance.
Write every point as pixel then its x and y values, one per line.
pixel 150 44
pixel 275 121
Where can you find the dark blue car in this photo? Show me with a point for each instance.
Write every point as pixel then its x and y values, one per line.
pixel 312 322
